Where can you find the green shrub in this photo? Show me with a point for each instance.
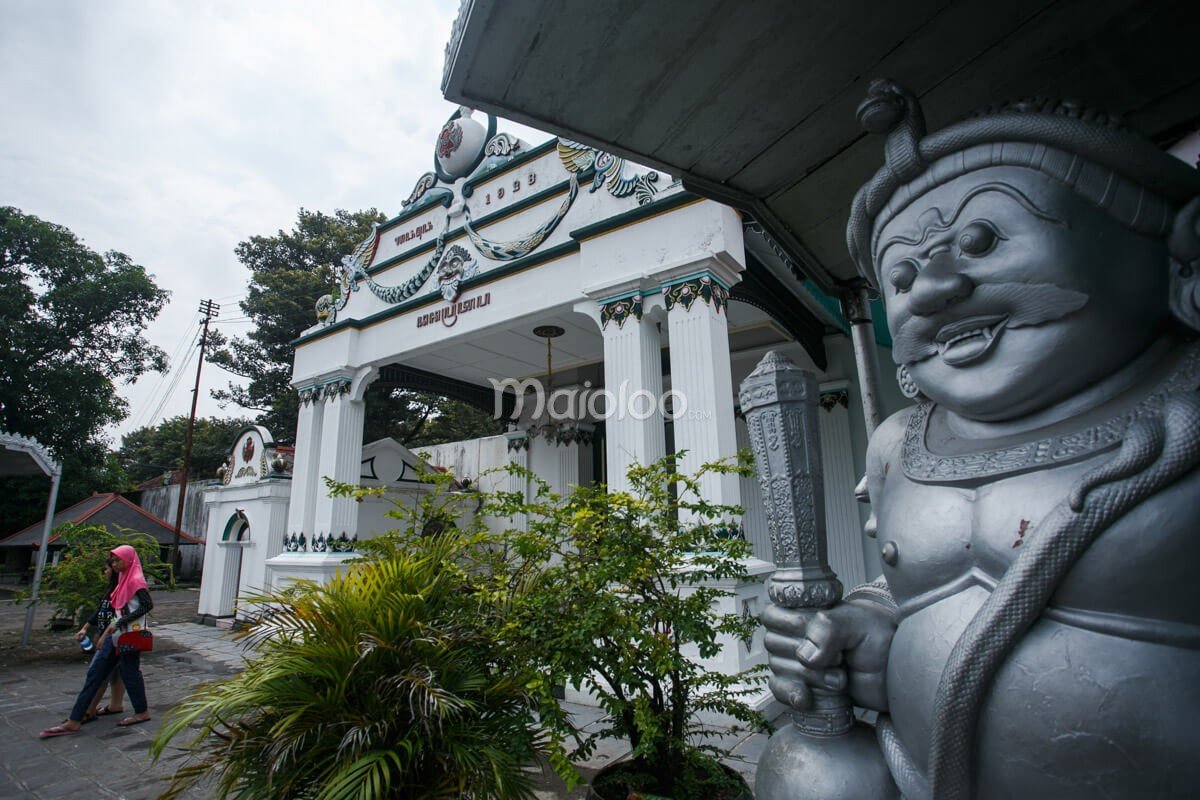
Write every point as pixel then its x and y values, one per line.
pixel 428 669
pixel 76 583
pixel 623 592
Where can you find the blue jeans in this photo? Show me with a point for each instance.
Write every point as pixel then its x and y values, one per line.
pixel 106 659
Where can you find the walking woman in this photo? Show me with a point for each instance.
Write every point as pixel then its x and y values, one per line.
pixel 98 621
pixel 131 599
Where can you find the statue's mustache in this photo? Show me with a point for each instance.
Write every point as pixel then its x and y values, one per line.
pixel 1024 304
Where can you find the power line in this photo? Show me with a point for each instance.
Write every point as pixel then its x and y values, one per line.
pixel 186 340
pixel 210 310
pixel 170 392
pixel 173 370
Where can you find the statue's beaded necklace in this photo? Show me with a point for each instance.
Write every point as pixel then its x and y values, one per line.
pixel 922 465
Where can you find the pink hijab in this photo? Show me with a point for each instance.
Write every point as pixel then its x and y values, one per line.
pixel 131 579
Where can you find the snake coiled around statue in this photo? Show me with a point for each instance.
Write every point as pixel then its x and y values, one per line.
pixel 1155 452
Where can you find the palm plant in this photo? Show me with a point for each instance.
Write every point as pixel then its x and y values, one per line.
pixel 386 682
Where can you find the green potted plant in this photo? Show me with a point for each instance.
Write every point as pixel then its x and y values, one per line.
pixel 621 605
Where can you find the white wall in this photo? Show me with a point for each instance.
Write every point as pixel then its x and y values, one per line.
pixel 471 459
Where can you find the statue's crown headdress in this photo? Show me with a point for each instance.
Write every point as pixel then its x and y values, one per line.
pixel 1111 166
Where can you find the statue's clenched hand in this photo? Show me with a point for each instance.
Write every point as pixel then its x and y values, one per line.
pixel 838 649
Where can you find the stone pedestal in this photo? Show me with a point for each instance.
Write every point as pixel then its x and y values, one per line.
pixel 746 598
pixel 287 568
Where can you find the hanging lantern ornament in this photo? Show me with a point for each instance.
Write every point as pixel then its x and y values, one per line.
pixel 544 426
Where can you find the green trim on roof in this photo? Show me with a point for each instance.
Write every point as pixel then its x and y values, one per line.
pixel 651 209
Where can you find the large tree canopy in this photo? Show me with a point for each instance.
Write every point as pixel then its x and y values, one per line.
pixel 149 452
pixel 71 324
pixel 288 273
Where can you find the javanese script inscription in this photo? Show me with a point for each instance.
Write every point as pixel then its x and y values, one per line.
pixel 448 314
pixel 416 233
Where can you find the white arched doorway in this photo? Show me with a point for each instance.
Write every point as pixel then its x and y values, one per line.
pixel 234 540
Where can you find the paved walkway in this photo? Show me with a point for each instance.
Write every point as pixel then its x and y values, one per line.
pixel 104 761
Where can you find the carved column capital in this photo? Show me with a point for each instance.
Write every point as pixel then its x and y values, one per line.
pixel 703 287
pixel 517 440
pixel 351 383
pixel 620 310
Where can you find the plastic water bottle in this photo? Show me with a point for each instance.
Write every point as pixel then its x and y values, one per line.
pixel 85 644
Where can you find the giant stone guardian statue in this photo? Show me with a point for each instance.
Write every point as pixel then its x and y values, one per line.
pixel 1036 630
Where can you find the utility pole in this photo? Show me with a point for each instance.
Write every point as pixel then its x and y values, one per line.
pixel 210 310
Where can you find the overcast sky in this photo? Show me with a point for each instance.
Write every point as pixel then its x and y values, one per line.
pixel 171 131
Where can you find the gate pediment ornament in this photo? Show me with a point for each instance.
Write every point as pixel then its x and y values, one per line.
pixel 467 150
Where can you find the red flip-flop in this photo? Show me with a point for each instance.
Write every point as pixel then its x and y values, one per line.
pixel 131 721
pixel 57 730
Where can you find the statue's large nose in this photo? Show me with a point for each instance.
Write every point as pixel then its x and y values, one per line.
pixel 939 285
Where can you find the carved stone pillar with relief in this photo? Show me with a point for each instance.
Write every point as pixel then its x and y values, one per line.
pixel 824 753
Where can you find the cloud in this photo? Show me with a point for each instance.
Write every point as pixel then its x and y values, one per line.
pixel 172 131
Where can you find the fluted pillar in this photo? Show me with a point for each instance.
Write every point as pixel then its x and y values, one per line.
pixel 634 431
pixel 701 381
pixel 518 455
pixel 340 460
pixel 305 466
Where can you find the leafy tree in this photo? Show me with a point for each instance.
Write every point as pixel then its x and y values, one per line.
pixel 71 325
pixel 420 418
pixel 75 584
pixel 288 273
pixel 149 452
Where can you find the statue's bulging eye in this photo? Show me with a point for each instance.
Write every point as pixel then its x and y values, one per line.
pixel 902 275
pixel 978 238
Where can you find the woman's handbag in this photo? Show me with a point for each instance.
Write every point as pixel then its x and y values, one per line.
pixel 140 640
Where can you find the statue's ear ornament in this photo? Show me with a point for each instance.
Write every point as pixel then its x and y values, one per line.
pixel 908 387
pixel 1184 246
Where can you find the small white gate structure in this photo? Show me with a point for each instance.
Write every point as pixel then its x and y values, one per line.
pixel 247 516
pixel 248 547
